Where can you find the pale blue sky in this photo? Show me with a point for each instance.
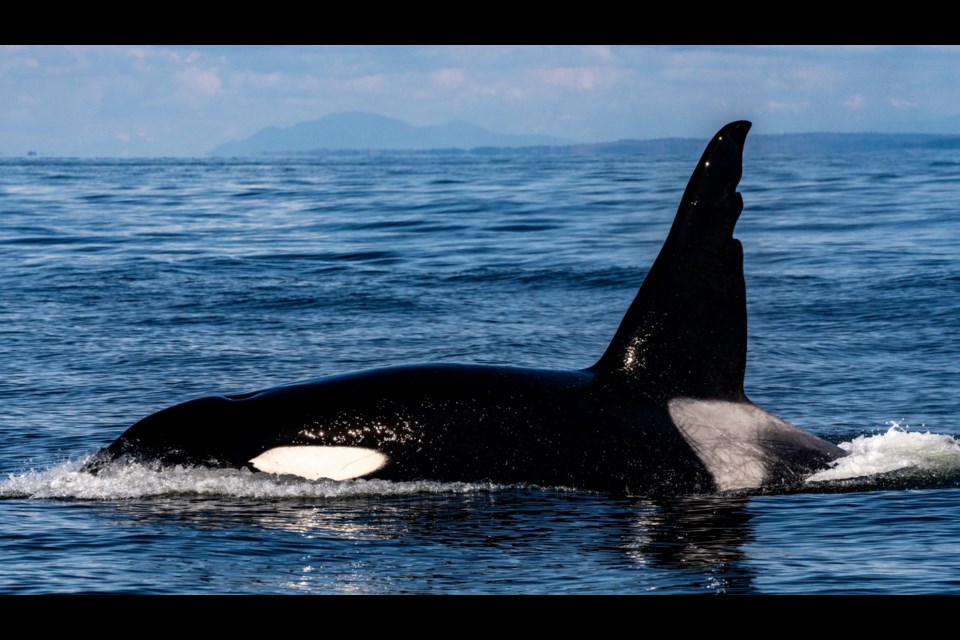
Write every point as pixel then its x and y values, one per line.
pixel 184 101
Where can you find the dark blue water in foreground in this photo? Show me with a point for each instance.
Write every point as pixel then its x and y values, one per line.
pixel 128 286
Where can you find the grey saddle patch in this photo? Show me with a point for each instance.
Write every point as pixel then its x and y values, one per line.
pixel 738 442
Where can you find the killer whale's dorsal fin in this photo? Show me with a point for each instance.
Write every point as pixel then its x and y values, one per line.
pixel 686 332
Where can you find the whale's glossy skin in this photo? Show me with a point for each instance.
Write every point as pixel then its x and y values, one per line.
pixel 663 411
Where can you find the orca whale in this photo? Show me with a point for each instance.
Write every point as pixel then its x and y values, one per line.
pixel 663 411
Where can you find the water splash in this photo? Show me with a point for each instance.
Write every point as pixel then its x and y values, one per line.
pixel 135 480
pixel 899 450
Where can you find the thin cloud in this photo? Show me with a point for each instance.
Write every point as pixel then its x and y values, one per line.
pixel 374 83
pixel 856 102
pixel 450 78
pixel 581 78
pixel 778 106
pixel 196 86
pixel 898 103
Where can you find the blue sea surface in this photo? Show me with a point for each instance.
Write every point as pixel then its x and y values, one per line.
pixel 132 285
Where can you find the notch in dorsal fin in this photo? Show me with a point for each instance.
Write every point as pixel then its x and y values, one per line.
pixel 686 332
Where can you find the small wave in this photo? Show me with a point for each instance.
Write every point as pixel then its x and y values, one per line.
pixel 897 451
pixel 129 480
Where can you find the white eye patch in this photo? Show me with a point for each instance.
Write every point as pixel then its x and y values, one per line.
pixel 313 463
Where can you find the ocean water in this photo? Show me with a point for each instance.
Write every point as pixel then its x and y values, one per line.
pixel 132 285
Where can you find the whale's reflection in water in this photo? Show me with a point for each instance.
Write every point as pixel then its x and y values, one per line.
pixel 703 536
pixel 514 540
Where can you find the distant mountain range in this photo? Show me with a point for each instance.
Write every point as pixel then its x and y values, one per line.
pixel 357 132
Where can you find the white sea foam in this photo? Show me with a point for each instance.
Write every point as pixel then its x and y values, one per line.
pixel 133 480
pixel 899 449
